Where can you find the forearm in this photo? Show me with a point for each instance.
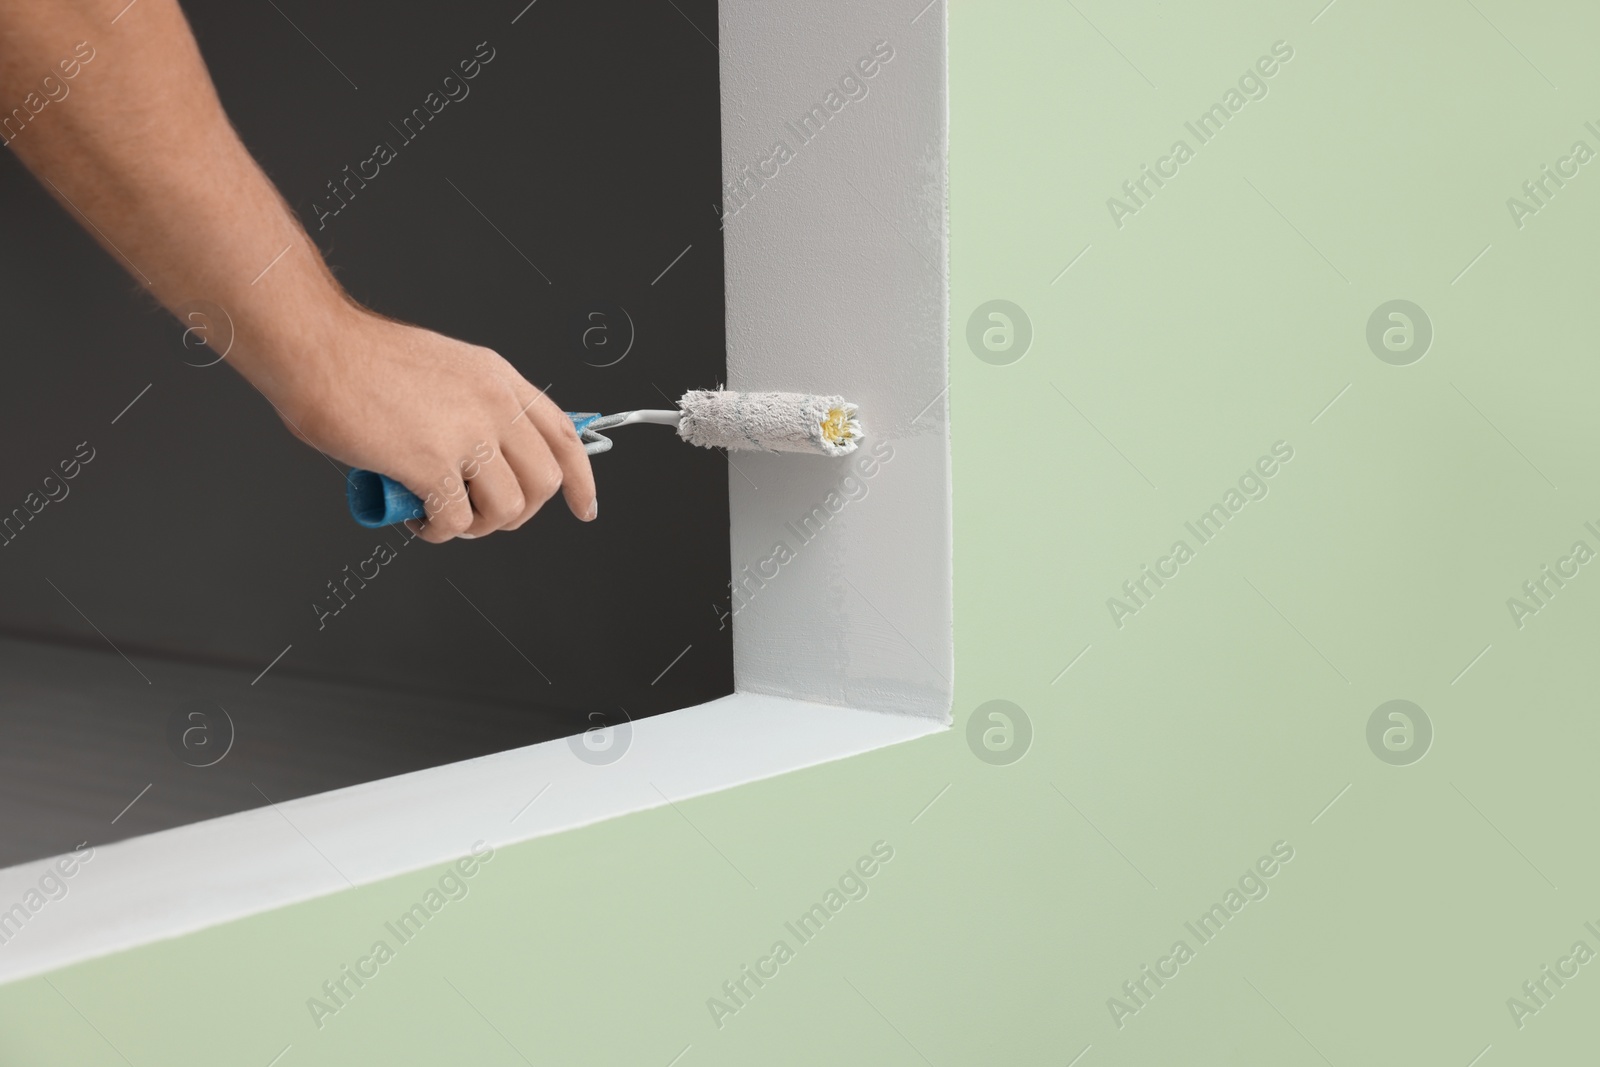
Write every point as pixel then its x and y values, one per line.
pixel 138 148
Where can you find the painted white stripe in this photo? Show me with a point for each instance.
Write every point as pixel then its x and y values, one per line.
pixel 177 881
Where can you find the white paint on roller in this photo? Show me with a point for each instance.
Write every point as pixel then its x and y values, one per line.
pixel 769 422
pixel 836 283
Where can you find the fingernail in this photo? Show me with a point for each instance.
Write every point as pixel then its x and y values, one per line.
pixel 594 509
pixel 467 536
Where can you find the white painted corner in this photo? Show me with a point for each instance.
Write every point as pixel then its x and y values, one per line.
pixel 834 136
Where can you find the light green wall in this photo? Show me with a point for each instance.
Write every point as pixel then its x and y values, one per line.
pixel 1222 718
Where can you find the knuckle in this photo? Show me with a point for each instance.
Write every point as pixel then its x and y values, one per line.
pixel 548 483
pixel 452 521
pixel 506 508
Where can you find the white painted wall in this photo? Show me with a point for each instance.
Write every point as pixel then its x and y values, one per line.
pixel 837 283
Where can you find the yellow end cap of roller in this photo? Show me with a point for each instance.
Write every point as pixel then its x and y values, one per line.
pixel 836 427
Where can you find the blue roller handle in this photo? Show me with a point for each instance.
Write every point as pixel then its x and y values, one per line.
pixel 377 500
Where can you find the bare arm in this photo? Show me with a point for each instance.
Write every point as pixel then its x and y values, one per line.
pixel 130 137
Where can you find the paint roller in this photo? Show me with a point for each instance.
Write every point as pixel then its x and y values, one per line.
pixel 761 422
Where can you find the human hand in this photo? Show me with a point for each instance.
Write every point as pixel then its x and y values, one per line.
pixel 453 422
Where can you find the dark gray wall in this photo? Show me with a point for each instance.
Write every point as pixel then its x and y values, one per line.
pixel 202 532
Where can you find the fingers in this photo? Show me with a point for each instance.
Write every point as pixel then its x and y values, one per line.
pixel 497 489
pixel 500 487
pixel 496 495
pixel 536 471
pixel 577 479
pixel 449 511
